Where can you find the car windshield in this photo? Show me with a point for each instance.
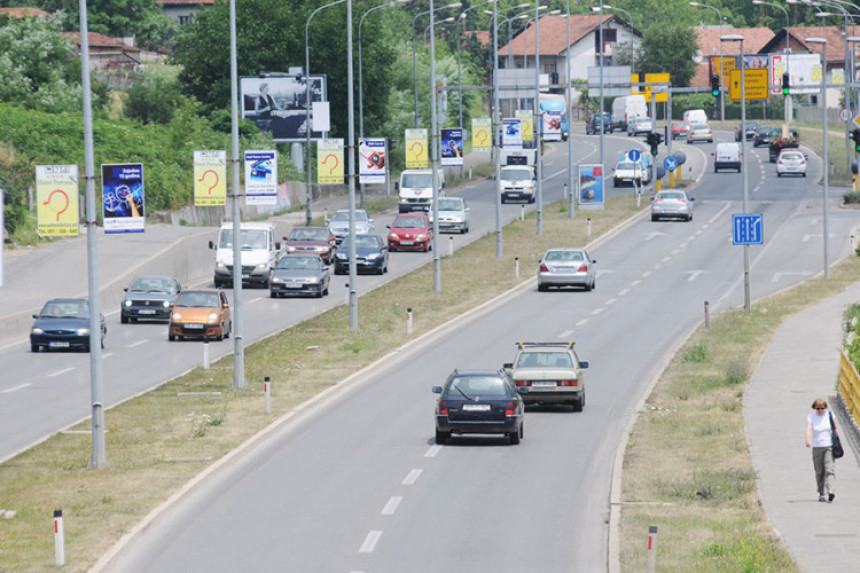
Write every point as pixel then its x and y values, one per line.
pixel 67 309
pixel 362 242
pixel 343 216
pixel 409 223
pixel 194 299
pixel 297 262
pixel 625 166
pixel 794 156
pixel 152 285
pixel 469 387
pixel 251 238
pixel 308 234
pixel 544 360
pixel 417 180
pixel 516 174
pixel 564 256
pixel 450 204
pixel 700 127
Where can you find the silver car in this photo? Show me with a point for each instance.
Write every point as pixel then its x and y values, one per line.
pixel 640 125
pixel 672 205
pixel 339 223
pixel 700 132
pixel 791 162
pixel 299 274
pixel 453 215
pixel 566 267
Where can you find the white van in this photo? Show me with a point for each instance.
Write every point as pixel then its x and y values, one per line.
pixel 727 156
pixel 517 183
pixel 259 253
pixel 415 189
pixel 692 116
pixel 627 108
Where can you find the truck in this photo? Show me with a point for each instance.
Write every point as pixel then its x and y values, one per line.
pixel 626 108
pixel 415 189
pixel 260 251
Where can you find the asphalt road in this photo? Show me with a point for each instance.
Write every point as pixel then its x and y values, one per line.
pixel 356 483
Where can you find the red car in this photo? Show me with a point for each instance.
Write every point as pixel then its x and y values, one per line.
pixel 311 240
pixel 410 232
pixel 680 129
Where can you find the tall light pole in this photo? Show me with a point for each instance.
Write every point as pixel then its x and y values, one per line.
pixel 494 126
pixel 434 156
pixel 823 43
pixel 350 149
pixel 439 23
pixel 739 38
pixel 460 20
pixel 537 124
pixel 415 52
pixel 600 41
pixel 360 86
pixel 570 187
pixel 722 95
pixel 787 104
pixel 308 129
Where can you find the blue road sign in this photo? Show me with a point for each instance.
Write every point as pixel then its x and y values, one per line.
pixel 670 163
pixel 748 229
pixel 634 154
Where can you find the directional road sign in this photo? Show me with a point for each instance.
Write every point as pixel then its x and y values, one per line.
pixel 634 155
pixel 747 229
pixel 755 84
pixel 670 163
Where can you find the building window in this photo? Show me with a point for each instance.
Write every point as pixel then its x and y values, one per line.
pixel 184 20
pixel 609 37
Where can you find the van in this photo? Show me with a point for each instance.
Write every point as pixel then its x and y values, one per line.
pixel 415 189
pixel 259 253
pixel 627 108
pixel 695 116
pixel 517 183
pixel 727 156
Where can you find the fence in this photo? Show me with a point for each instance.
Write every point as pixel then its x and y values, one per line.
pixel 849 388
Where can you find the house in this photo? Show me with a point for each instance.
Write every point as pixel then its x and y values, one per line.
pixel 107 53
pixel 23 12
pixel 710 47
pixel 181 11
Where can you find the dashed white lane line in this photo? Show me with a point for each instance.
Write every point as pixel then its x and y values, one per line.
pixel 611 301
pixel 139 342
pixel 59 372
pixel 431 453
pixel 623 291
pixel 391 506
pixel 646 274
pixel 107 354
pixel 636 282
pixel 582 322
pixel 596 311
pixel 667 258
pixel 411 477
pixel 14 388
pixel 370 541
pixel 565 334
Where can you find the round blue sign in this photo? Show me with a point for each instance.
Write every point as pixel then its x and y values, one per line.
pixel 634 155
pixel 670 163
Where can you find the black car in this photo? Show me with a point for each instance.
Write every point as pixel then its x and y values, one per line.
pixel 751 128
pixel 763 134
pixel 593 125
pixel 64 323
pixel 149 297
pixel 479 402
pixel 371 255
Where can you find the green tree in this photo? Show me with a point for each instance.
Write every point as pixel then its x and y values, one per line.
pixel 669 49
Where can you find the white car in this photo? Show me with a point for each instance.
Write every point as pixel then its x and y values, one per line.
pixel 518 183
pixel 566 267
pixel 339 223
pixel 628 172
pixel 671 204
pixel 700 132
pixel 791 162
pixel 453 215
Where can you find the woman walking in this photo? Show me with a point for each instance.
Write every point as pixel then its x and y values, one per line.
pixel 820 426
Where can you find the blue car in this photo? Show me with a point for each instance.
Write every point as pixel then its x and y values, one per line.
pixel 371 255
pixel 64 323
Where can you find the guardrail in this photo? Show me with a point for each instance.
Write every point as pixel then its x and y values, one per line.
pixel 849 388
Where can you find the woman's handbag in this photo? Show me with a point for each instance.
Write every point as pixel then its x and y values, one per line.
pixel 838 452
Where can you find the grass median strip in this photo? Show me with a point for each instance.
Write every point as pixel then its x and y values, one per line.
pixel 687 467
pixel 157 442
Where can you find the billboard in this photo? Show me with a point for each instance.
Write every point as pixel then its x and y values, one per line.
pixel 482 137
pixel 591 187
pixel 123 198
pixel 452 147
pixel 210 178
pixel 416 148
pixel 278 105
pixel 57 200
pixel 512 133
pixel 330 162
pixel 372 169
pixel 261 177
pixel 800 72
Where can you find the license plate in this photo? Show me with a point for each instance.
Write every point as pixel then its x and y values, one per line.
pixel 246 276
pixel 293 285
pixel 193 326
pixel 544 384
pixel 146 312
pixel 476 407
pixel 58 344
pixel 407 242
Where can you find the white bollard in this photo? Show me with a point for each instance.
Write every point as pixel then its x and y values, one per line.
pixel 522 212
pixel 707 314
pixel 450 245
pixel 517 268
pixel 588 226
pixel 347 293
pixel 408 321
pixel 206 356
pixel 470 172
pixel 267 392
pixel 638 198
pixel 59 538
pixel 651 564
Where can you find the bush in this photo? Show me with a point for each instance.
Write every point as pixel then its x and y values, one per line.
pixel 851 197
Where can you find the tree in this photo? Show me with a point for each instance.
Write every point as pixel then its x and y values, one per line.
pixel 669 49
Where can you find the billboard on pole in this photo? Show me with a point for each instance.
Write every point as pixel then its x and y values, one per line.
pixel 57 200
pixel 210 178
pixel 482 136
pixel 372 166
pixel 278 105
pixel 123 198
pixel 416 149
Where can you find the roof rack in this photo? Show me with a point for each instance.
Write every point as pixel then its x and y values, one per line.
pixel 565 344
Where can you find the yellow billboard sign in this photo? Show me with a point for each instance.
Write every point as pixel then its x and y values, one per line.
pixel 57 200
pixel 528 129
pixel 659 93
pixel 417 155
pixel 330 162
pixel 210 178
pixel 482 134
pixel 755 84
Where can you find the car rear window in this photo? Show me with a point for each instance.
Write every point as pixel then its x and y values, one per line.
pixel 544 360
pixel 471 386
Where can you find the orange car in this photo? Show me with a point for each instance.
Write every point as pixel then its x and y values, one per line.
pixel 200 313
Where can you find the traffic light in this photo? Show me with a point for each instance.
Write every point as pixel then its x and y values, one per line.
pixel 654 139
pixel 786 85
pixel 715 85
pixel 855 135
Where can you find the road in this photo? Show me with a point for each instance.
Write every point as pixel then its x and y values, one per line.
pixel 357 484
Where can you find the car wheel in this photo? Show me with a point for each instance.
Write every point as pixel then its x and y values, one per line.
pixel 514 437
pixel 171 338
pixel 123 318
pixel 654 218
pixel 579 404
pixel 588 287
pixel 35 348
pixel 594 284
pixel 442 437
pixel 272 294
pixel 229 330
pixel 220 336
pixel 778 174
pixel 325 292
pixel 541 288
pixel 804 174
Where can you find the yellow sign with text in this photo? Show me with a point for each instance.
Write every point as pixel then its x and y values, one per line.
pixel 210 178
pixel 330 162
pixel 659 93
pixel 528 130
pixel 57 200
pixel 755 84
pixel 482 134
pixel 417 156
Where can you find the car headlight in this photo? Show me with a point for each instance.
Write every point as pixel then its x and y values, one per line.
pixel 220 266
pixel 83 331
pixel 373 256
pixel 213 317
pixel 392 237
pixel 421 237
pixel 277 280
pixel 37 331
pixel 341 256
pixel 126 303
pixel 291 249
pixel 262 266
pixel 166 304
pixel 176 316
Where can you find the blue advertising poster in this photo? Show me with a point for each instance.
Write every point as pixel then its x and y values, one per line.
pixel 261 177
pixel 591 187
pixel 452 147
pixel 123 198
pixel 512 133
pixel 371 168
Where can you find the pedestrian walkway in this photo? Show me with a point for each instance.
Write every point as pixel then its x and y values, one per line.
pixel 800 364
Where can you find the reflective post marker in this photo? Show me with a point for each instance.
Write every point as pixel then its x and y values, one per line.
pixel 517 268
pixel 522 213
pixel 707 315
pixel 588 226
pixel 450 245
pixel 408 321
pixel 59 541
pixel 267 392
pixel 206 356
pixel 652 548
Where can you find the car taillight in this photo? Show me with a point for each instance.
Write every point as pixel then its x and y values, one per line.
pixel 568 382
pixel 583 268
pixel 779 161
pixel 443 408
pixel 544 268
pixel 509 409
pixel 520 382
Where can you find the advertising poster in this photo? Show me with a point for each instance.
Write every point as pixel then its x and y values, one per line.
pixel 371 166
pixel 416 149
pixel 261 177
pixel 330 162
pixel 452 147
pixel 526 116
pixel 278 105
pixel 801 72
pixel 210 178
pixel 57 200
pixel 123 198
pixel 512 133
pixel 551 120
pixel 591 187
pixel 482 134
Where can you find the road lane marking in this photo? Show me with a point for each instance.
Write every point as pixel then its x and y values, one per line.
pixel 582 322
pixel 370 541
pixel 431 453
pixel 411 477
pixel 14 388
pixel 596 311
pixel 391 506
pixel 138 343
pixel 646 274
pixel 666 259
pixel 623 291
pixel 693 275
pixel 565 334
pixel 719 213
pixel 611 301
pixel 107 354
pixel 63 371
pixel 636 282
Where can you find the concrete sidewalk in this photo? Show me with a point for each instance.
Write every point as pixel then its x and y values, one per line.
pixel 800 364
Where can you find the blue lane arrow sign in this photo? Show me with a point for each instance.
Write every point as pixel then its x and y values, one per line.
pixel 748 229
pixel 634 154
pixel 670 163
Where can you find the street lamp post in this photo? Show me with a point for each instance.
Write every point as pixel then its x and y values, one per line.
pixel 722 95
pixel 415 52
pixel 434 155
pixel 494 127
pixel 823 43
pixel 788 102
pixel 739 38
pixel 570 188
